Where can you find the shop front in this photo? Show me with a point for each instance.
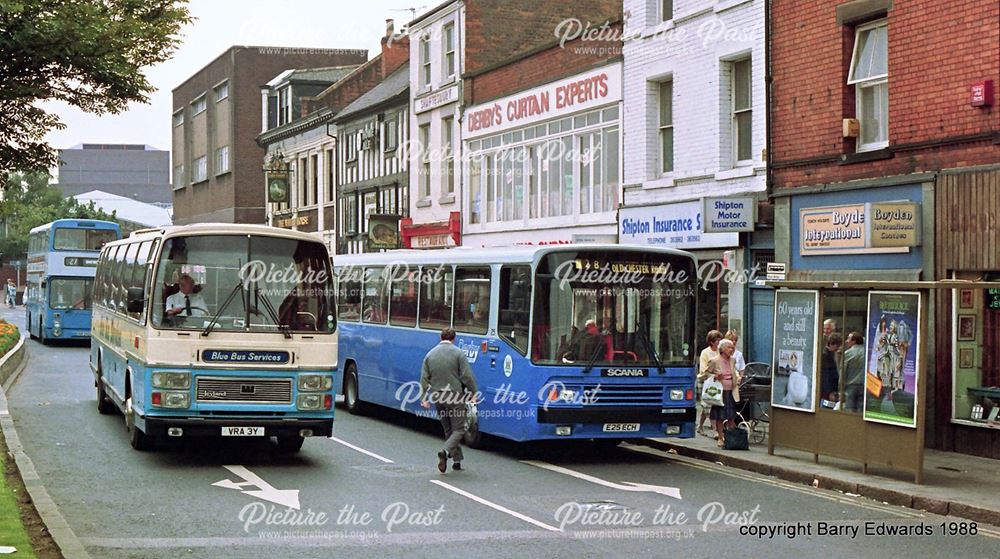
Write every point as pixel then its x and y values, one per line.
pixel 723 274
pixel 967 410
pixel 544 164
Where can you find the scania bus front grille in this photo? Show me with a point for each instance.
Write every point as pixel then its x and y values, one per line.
pixel 623 394
pixel 256 390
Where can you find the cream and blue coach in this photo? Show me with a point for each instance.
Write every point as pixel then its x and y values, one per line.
pixel 216 330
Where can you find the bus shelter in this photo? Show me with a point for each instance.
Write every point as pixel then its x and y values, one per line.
pixel 860 397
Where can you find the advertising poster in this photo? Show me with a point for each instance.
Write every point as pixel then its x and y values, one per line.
pixel 793 373
pixel 891 360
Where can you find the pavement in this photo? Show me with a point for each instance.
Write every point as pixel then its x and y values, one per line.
pixel 954 484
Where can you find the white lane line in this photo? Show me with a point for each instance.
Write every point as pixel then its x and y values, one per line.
pixel 495 506
pixel 361 450
pixel 623 486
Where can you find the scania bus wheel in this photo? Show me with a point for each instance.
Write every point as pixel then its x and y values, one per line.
pixel 351 401
pixel 473 437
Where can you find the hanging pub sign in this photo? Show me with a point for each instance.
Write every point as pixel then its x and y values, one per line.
pixel 859 228
pixel 793 373
pixel 892 362
pixel 383 231
pixel 277 187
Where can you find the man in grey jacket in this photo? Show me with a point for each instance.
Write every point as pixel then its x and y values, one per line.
pixel 854 372
pixel 446 380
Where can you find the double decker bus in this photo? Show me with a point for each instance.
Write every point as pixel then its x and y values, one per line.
pixel 216 330
pixel 572 341
pixel 62 258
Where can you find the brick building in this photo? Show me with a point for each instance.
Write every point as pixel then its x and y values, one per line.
pixel 695 126
pixel 217 173
pixel 541 126
pixel 879 103
pixel 311 144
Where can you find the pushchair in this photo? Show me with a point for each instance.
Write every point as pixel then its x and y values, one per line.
pixel 753 409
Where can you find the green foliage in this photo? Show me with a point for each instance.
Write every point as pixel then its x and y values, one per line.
pixel 30 201
pixel 88 53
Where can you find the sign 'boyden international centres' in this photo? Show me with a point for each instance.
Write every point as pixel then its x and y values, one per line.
pixel 860 228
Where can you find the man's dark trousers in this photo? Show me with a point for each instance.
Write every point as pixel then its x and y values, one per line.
pixel 452 416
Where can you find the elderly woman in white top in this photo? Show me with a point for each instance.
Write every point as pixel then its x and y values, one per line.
pixel 723 368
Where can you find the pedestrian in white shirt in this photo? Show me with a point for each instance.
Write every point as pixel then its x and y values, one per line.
pixel 738 359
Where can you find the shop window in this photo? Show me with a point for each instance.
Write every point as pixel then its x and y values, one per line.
pixel 976 354
pixel 472 300
pixel 841 374
pixel 713 301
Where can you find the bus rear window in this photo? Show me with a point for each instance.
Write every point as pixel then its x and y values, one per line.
pixel 66 238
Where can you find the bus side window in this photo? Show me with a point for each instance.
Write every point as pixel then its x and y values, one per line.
pixel 133 268
pixel 515 302
pixel 403 304
pixel 348 294
pixel 375 301
pixel 472 300
pixel 436 289
pixel 117 295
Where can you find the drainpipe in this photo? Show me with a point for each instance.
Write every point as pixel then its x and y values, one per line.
pixel 768 81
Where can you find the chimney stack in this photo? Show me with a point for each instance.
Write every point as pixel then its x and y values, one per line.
pixel 389 27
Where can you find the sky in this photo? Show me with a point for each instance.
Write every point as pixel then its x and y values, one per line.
pixel 218 25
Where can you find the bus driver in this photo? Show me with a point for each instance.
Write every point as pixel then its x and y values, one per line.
pixel 185 302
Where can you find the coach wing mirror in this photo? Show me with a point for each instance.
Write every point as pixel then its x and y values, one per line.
pixel 135 300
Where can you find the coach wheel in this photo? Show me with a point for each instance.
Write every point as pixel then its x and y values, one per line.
pixel 351 401
pixel 290 445
pixel 31 333
pixel 104 404
pixel 136 437
pixel 473 436
pixel 41 333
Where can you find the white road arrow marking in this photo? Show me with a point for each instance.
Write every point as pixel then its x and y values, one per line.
pixel 623 486
pixel 284 497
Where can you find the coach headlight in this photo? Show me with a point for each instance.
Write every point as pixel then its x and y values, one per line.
pixel 315 383
pixel 177 380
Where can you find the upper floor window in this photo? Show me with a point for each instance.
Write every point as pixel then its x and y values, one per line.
pixel 870 76
pixel 179 117
pixel 425 61
pixel 199 105
pixel 284 106
pixel 221 91
pixel 392 132
pixel 200 169
pixel 449 49
pixel 666 10
pixel 448 135
pixel 222 160
pixel 179 176
pixel 742 122
pixel 666 126
pixel 425 161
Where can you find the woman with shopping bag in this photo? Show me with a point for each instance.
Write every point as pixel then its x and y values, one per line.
pixel 723 370
pixel 707 354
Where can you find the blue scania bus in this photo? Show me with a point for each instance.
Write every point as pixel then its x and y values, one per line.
pixel 62 258
pixel 570 341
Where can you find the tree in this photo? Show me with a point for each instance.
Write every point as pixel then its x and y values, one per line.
pixel 29 201
pixel 87 53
